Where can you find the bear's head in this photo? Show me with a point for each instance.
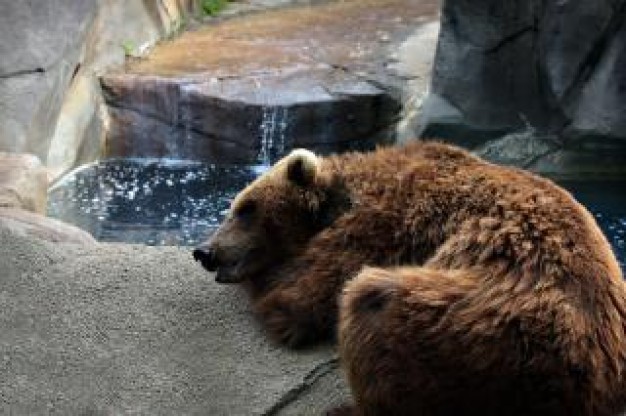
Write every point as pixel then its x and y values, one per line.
pixel 273 218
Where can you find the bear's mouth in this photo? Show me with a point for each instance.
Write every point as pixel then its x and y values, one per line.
pixel 242 268
pixel 229 274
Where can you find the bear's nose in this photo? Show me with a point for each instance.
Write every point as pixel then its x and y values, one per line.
pixel 206 256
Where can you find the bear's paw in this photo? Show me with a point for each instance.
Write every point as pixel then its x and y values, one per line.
pixel 343 410
pixel 287 321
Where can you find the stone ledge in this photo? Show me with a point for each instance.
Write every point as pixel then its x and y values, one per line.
pixel 26 223
pixel 118 329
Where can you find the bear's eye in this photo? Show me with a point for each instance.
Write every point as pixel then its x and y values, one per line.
pixel 246 210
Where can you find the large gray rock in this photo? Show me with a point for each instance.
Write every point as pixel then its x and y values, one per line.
pixel 231 121
pixel 553 67
pixel 40 46
pixel 601 107
pixel 119 329
pixel 50 54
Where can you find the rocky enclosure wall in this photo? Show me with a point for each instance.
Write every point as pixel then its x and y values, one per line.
pixel 552 72
pixel 539 84
pixel 52 52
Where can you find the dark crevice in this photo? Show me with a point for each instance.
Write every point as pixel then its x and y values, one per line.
pixel 556 117
pixel 23 72
pixel 509 39
pixel 597 52
pixel 75 72
pixel 310 379
pixel 562 130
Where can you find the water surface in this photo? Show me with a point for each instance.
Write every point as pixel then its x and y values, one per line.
pixel 154 202
pixel 159 202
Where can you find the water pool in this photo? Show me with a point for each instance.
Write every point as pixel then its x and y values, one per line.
pixel 159 202
pixel 152 202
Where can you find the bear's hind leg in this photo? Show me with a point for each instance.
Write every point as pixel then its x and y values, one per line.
pixel 424 340
pixel 391 339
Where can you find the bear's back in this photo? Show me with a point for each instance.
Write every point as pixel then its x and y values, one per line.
pixel 523 217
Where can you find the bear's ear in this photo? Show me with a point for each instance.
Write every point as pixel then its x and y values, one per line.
pixel 302 167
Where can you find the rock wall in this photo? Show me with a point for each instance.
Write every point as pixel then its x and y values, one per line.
pixel 539 84
pixel 51 54
pixel 250 88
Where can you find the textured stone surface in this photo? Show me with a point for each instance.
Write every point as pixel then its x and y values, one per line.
pixel 553 67
pixel 51 52
pixel 40 45
pixel 227 122
pixel 79 132
pixel 601 107
pixel 25 223
pixel 23 182
pixel 294 77
pixel 119 329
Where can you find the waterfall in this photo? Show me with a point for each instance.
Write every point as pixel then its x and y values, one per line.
pixel 273 128
pixel 178 148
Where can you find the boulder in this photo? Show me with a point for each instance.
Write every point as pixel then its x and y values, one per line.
pixel 23 200
pixel 40 45
pixel 121 329
pixel 554 68
pixel 51 54
pixel 23 182
pixel 25 223
pixel 599 111
pixel 238 121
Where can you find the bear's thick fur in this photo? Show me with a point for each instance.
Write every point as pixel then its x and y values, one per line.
pixel 473 288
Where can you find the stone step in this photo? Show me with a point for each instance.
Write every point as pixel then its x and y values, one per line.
pixel 249 88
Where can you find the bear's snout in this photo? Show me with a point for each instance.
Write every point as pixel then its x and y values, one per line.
pixel 207 257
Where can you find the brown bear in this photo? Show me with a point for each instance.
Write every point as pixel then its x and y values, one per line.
pixel 471 288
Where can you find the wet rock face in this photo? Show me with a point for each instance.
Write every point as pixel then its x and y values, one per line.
pixel 237 121
pixel 554 68
pixel 247 90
